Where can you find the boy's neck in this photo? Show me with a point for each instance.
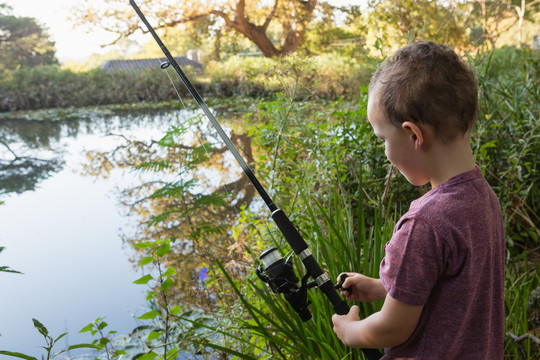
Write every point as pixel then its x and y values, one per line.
pixel 449 160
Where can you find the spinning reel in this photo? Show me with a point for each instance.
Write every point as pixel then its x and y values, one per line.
pixel 279 274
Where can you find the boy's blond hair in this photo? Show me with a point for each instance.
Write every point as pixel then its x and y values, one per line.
pixel 427 83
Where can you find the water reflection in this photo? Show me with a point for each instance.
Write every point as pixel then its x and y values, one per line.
pixel 31 150
pixel 193 194
pixel 20 169
pixel 187 188
pixel 61 229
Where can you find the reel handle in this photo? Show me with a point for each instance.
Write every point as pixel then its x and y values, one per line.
pixel 339 285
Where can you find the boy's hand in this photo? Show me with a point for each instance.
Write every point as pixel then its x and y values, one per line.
pixel 357 287
pixel 389 327
pixel 342 323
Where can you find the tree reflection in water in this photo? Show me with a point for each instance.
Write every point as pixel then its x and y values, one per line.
pixel 32 150
pixel 21 168
pixel 192 194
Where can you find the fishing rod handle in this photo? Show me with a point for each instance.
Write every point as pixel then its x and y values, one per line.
pixel 300 248
pixel 313 268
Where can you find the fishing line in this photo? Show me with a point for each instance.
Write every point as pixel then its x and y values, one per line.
pixel 164 65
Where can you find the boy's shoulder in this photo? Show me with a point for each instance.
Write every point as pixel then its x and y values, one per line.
pixel 457 202
pixel 459 190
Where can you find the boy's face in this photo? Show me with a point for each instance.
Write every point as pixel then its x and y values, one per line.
pixel 399 144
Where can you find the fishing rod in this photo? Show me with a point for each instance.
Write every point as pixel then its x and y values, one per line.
pixel 274 270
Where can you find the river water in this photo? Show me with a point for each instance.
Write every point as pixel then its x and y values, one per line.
pixel 62 229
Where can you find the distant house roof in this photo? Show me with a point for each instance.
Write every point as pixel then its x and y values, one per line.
pixel 141 64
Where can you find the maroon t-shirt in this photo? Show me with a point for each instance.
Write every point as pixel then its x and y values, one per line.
pixel 447 254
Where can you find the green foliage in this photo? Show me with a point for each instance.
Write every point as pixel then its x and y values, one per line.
pixel 324 76
pixel 160 283
pixel 507 139
pixel 327 76
pixel 404 21
pixel 167 328
pixel 345 232
pixel 522 277
pixel 50 342
pixel 23 42
pixel 104 343
pixel 52 87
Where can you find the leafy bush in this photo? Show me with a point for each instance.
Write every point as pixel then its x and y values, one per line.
pixel 327 76
pixel 507 138
pixel 52 87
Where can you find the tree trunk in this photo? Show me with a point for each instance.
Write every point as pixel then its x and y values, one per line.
pixel 521 14
pixel 257 33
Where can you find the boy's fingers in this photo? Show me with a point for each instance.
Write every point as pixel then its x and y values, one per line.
pixel 340 281
pixel 341 284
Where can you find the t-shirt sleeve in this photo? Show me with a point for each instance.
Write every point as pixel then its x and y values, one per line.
pixel 413 261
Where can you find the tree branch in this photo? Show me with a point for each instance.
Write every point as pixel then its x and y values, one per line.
pixel 184 20
pixel 9 149
pixel 519 339
pixel 224 16
pixel 270 16
pixel 240 10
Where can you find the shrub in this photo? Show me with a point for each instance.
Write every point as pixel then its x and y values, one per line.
pixel 507 138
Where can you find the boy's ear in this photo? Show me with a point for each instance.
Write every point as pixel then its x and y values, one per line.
pixel 415 132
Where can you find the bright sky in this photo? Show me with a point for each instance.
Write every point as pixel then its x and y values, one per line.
pixel 70 43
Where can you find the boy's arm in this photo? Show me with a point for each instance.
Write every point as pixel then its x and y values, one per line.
pixel 391 326
pixel 358 287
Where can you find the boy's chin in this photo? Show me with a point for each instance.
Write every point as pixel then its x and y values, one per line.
pixel 416 181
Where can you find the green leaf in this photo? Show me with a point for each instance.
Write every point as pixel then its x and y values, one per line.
pixel 142 245
pixel 8 270
pixel 150 295
pixel 86 328
pixel 82 346
pixel 16 354
pixel 149 356
pixel 149 315
pixel 171 354
pixel 59 337
pixel 41 328
pixel 167 140
pixel 165 248
pixel 144 280
pixel 154 335
pixel 167 284
pixel 102 325
pixel 176 310
pixel 170 271
pixel 146 260
pixel 78 346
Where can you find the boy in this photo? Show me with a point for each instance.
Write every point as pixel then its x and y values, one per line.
pixel 442 278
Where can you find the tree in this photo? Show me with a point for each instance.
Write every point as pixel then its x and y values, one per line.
pixel 401 21
pixel 253 19
pixel 498 17
pixel 23 42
